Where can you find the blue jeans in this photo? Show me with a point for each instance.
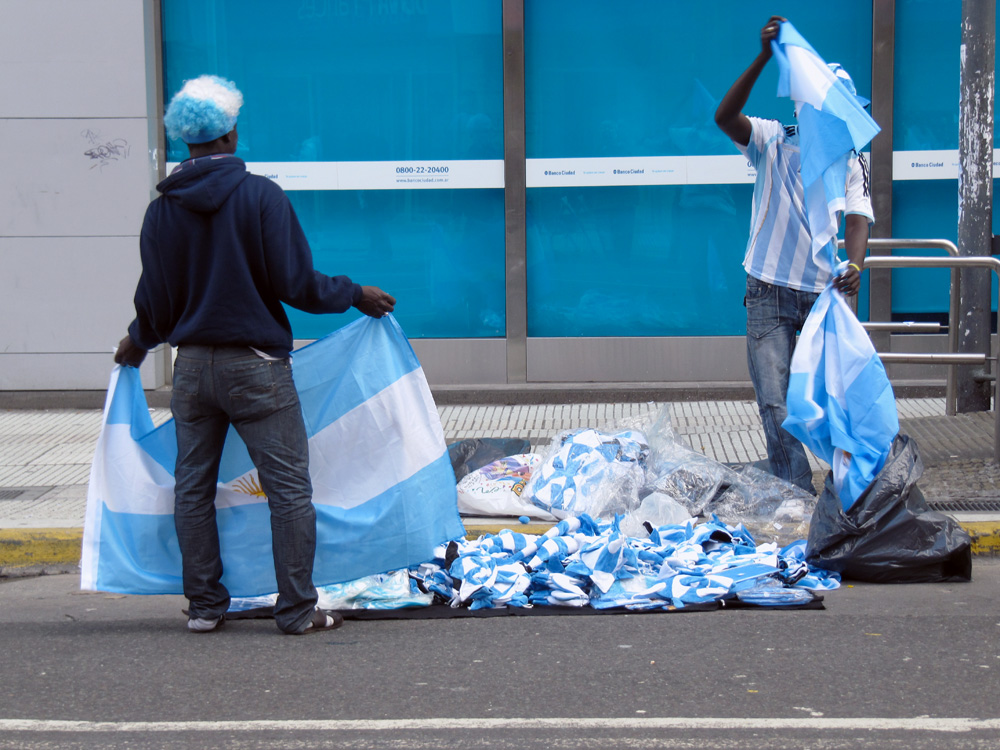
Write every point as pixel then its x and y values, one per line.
pixel 775 315
pixel 214 387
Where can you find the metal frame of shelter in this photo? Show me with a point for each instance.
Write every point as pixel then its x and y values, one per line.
pixel 952 358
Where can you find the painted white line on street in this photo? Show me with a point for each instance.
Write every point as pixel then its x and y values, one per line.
pixel 919 724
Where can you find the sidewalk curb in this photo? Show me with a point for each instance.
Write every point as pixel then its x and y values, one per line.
pixel 985 537
pixel 34 551
pixel 44 551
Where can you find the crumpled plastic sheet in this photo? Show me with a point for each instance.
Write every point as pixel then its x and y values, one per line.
pixel 583 562
pixel 641 469
pixel 394 590
pixel 655 509
pixel 689 477
pixel 771 508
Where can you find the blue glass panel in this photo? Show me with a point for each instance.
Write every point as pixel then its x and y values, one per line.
pixel 637 261
pixel 440 253
pixel 370 80
pixel 927 74
pixel 927 209
pixel 643 78
pixel 348 80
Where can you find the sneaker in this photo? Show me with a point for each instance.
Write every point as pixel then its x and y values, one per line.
pixel 202 625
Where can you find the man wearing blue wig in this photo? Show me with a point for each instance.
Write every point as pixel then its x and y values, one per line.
pixel 783 278
pixel 221 251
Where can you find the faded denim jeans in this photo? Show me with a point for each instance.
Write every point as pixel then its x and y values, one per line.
pixel 213 387
pixel 775 315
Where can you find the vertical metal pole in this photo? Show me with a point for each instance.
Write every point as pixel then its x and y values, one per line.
pixel 161 358
pixel 975 190
pixel 883 83
pixel 515 191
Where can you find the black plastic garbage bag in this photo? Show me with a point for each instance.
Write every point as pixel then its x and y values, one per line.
pixel 889 535
pixel 474 453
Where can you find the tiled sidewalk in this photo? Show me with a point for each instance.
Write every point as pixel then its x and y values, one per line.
pixel 45 456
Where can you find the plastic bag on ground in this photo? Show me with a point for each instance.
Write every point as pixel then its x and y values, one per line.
pixel 383 591
pixel 474 453
pixel 673 469
pixel 657 510
pixel 497 489
pixel 772 509
pixel 889 535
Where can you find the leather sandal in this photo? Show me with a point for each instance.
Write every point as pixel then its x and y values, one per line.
pixel 323 620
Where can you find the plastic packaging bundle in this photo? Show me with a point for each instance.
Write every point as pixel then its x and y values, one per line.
pixel 593 472
pixel 382 591
pixel 497 489
pixel 474 453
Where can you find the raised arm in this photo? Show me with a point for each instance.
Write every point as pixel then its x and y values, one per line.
pixel 729 115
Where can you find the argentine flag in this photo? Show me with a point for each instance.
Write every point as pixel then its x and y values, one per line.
pixel 832 124
pixel 840 402
pixel 383 485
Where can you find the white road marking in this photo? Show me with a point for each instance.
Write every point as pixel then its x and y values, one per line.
pixel 919 724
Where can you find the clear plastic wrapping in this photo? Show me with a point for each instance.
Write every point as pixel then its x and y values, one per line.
pixel 772 509
pixel 590 471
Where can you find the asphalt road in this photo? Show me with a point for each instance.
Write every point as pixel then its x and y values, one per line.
pixel 882 666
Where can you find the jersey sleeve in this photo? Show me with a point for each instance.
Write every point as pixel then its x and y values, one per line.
pixel 859 193
pixel 762 132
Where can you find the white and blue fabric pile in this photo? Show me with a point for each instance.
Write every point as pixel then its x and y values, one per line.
pixel 641 470
pixel 582 562
pixel 588 471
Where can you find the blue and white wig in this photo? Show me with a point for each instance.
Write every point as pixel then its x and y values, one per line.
pixel 206 108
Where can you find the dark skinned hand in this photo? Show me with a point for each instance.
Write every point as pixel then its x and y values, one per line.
pixel 129 354
pixel 848 282
pixel 375 303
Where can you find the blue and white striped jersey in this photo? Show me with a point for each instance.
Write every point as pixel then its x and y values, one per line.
pixel 778 250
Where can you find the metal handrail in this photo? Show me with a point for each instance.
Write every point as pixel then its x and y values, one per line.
pixel 880 243
pixel 906 326
pixel 955 358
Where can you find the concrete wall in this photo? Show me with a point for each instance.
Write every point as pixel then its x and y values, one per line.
pixel 78 157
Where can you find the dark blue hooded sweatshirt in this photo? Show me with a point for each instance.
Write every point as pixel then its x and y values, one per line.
pixel 221 250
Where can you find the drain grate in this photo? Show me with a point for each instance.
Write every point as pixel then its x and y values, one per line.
pixel 22 493
pixel 968 506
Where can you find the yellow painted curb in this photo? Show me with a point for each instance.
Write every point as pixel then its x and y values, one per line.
pixel 25 548
pixel 985 536
pixel 475 530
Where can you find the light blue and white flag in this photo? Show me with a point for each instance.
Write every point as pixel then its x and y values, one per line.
pixel 383 485
pixel 832 124
pixel 840 402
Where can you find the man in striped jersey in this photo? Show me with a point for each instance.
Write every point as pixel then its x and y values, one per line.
pixel 783 277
